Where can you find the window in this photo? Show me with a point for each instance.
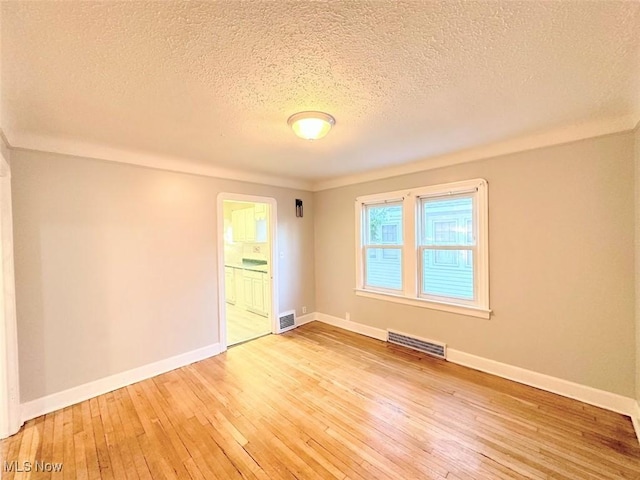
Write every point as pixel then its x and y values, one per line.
pixel 426 247
pixel 383 246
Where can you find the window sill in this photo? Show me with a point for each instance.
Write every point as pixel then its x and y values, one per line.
pixel 419 302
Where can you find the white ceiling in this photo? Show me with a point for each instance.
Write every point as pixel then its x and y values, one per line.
pixel 212 84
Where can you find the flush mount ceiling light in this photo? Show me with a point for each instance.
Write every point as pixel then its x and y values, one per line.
pixel 311 125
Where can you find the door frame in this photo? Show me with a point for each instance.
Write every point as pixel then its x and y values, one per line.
pixel 10 418
pixel 273 260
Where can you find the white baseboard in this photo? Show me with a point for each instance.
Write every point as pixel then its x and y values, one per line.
pixel 583 393
pixel 302 319
pixel 592 396
pixel 352 326
pixel 635 418
pixel 56 401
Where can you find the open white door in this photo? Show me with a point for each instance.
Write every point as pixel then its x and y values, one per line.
pixel 10 421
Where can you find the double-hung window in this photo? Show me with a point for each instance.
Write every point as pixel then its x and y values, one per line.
pixel 426 246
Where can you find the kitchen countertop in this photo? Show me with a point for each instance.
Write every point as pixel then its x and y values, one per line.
pixel 252 266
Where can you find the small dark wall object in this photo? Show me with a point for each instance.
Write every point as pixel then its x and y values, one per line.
pixel 298 207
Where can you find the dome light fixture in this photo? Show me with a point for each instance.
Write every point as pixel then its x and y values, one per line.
pixel 311 125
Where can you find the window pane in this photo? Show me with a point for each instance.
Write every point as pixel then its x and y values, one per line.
pixel 447 221
pixel 384 268
pixel 445 232
pixel 390 254
pixel 389 233
pixel 447 273
pixel 383 224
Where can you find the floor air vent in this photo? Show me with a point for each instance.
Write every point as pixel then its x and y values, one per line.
pixel 427 346
pixel 286 321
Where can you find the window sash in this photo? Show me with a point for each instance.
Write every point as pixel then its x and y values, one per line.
pixel 367 221
pixel 446 298
pixel 422 202
pixel 457 245
pixel 365 260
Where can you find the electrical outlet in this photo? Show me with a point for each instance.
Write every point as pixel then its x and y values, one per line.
pixel 304 310
pixel 347 316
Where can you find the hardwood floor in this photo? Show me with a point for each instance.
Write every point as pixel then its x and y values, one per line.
pixel 319 402
pixel 243 325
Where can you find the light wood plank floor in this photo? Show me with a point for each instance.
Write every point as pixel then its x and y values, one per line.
pixel 319 402
pixel 243 325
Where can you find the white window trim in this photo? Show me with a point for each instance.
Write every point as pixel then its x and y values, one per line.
pixel 410 294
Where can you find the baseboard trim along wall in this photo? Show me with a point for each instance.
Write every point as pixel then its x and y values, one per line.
pixel 600 398
pixel 592 396
pixel 583 393
pixel 302 319
pixel 355 327
pixel 56 401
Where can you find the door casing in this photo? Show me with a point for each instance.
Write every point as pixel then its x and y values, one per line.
pixel 273 260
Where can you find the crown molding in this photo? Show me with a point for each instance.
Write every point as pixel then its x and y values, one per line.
pixel 61 146
pixel 548 138
pixel 520 144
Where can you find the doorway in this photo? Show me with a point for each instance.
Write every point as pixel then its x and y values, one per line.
pixel 246 226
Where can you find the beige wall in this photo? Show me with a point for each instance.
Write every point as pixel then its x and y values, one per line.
pixel 116 265
pixel 561 240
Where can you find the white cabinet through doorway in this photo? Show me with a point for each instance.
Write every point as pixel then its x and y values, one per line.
pixel 250 224
pixel 230 285
pixel 256 291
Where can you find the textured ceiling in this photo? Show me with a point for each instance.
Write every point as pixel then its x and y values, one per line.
pixel 214 83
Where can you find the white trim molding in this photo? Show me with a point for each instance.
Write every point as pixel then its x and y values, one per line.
pixel 423 303
pixel 525 143
pixel 361 328
pixel 304 319
pixel 558 136
pixel 566 388
pixel 56 401
pixel 75 148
